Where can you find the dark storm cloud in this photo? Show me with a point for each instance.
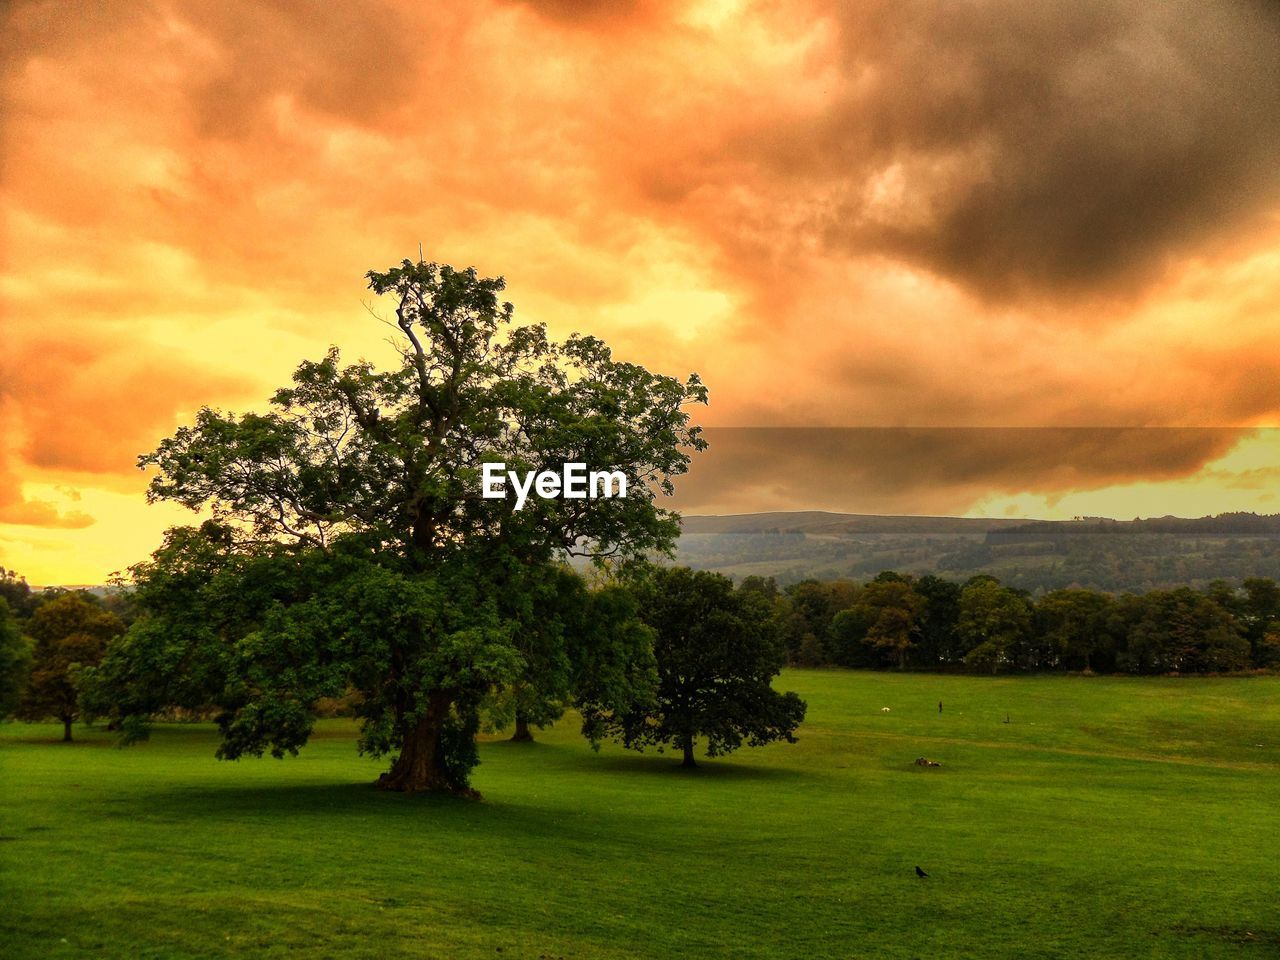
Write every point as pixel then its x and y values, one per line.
pixel 586 12
pixel 941 471
pixel 1032 148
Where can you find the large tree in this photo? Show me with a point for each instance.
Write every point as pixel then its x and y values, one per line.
pixel 351 545
pixel 717 652
pixel 70 633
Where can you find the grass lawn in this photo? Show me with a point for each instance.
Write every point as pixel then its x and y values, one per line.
pixel 1109 818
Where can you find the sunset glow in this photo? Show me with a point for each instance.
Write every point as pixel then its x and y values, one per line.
pixel 924 215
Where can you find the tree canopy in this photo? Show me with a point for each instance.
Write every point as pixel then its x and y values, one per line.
pixel 15 591
pixel 717 652
pixel 70 633
pixel 993 620
pixel 15 661
pixel 351 546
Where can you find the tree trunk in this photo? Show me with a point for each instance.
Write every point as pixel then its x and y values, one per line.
pixel 688 753
pixel 66 729
pixel 523 734
pixel 419 768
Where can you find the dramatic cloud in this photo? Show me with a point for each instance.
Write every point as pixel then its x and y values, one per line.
pixel 940 471
pixel 84 409
pixel 916 214
pixel 24 511
pixel 1016 148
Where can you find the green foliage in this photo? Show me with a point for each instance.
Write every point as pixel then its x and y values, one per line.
pixel 939 642
pixel 897 610
pixel 15 661
pixel 1260 616
pixel 1181 631
pixel 351 548
pixel 1073 624
pixel 15 592
pixel 993 621
pixel 1116 558
pixel 929 622
pixel 614 667
pixel 846 638
pixel 717 652
pixel 811 607
pixel 555 616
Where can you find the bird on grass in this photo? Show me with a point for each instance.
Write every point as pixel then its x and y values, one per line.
pixel 921 874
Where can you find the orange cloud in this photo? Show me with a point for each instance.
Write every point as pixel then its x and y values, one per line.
pixel 88 410
pixel 909 214
pixel 32 512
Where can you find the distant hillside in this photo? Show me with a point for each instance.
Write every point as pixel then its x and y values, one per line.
pixel 97 589
pixel 1115 555
pixel 1245 524
pixel 820 522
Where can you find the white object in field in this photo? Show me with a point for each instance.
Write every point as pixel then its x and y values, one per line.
pixel 884 709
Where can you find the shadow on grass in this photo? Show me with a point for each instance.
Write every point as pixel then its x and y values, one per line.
pixel 85 742
pixel 573 759
pixel 96 735
pixel 413 817
pixel 287 800
pixel 502 815
pixel 667 765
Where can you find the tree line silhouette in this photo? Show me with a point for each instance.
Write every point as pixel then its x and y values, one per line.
pixel 899 621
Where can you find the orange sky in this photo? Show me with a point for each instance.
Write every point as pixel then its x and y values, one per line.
pixel 840 214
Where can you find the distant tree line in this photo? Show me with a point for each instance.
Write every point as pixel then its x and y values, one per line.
pixel 1248 524
pixel 673 656
pixel 897 621
pixel 1115 557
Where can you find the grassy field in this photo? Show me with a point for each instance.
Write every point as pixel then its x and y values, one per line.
pixel 1107 818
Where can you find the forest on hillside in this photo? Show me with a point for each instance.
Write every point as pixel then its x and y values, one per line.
pixel 898 621
pixel 1107 555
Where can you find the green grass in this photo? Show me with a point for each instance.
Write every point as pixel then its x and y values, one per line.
pixel 1109 818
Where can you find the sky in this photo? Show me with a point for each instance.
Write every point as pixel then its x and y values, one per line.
pixel 938 217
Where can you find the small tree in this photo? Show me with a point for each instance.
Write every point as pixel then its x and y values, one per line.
pixel 1074 623
pixel 1261 615
pixel 578 644
pixel 717 651
pixel 15 661
pixel 70 633
pixel 846 639
pixel 993 620
pixel 893 610
pixel 938 643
